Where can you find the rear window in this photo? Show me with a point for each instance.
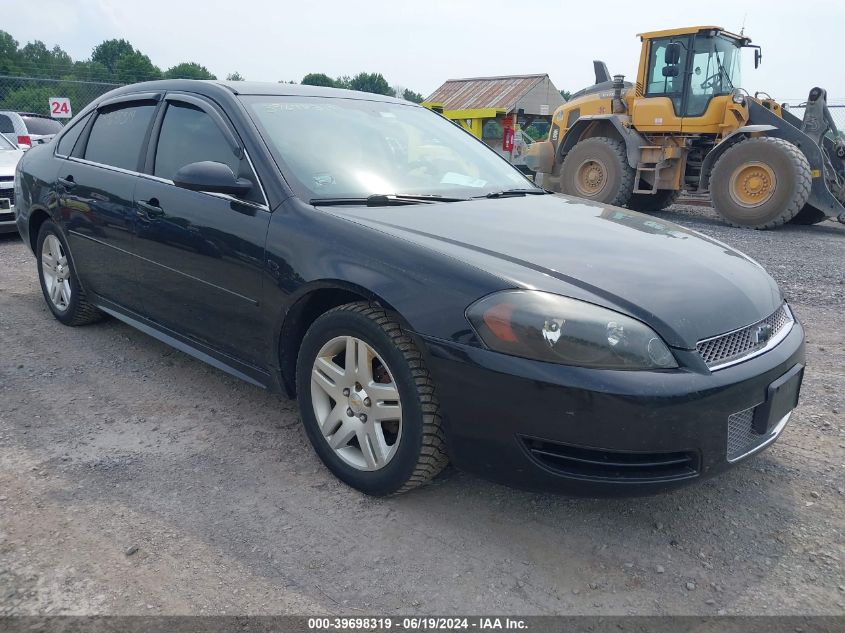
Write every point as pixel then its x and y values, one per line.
pixel 38 125
pixel 6 126
pixel 117 136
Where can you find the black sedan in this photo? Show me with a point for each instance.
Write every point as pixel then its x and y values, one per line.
pixel 421 298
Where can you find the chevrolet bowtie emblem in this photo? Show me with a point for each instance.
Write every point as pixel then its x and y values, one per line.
pixel 762 334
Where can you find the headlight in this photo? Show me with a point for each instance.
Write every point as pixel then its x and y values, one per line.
pixel 548 327
pixel 738 98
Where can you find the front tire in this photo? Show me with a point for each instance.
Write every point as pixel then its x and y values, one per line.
pixel 597 169
pixel 368 402
pixel 59 283
pixel 760 183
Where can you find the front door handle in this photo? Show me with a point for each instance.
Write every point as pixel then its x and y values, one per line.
pixel 150 208
pixel 67 183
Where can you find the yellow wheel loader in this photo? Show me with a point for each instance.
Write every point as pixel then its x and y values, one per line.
pixel 686 124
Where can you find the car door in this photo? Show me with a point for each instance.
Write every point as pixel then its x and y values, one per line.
pixel 201 254
pixel 95 187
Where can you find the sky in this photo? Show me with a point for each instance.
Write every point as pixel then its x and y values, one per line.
pixel 420 44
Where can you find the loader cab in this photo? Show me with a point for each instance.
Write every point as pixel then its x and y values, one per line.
pixel 688 79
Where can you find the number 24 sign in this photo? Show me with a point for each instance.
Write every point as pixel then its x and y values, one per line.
pixel 60 108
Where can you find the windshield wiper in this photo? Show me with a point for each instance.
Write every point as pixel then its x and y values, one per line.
pixel 506 193
pixel 386 200
pixel 723 71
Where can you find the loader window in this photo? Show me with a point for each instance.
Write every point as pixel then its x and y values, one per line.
pixel 715 71
pixel 667 79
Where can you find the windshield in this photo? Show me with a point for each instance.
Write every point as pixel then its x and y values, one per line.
pixel 351 148
pixel 715 71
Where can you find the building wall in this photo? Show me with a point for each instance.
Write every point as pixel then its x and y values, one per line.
pixel 544 92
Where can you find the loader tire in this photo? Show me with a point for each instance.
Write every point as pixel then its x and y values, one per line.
pixel 808 215
pixel 760 183
pixel 650 203
pixel 597 169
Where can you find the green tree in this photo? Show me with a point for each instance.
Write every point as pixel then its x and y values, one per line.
pixel 370 82
pixel 410 95
pixel 8 54
pixel 36 60
pixel 136 67
pixel 109 53
pixel 188 70
pixel 235 76
pixel 566 95
pixel 30 98
pixel 318 79
pixel 90 71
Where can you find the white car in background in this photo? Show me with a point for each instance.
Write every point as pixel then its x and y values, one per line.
pixel 28 129
pixel 10 154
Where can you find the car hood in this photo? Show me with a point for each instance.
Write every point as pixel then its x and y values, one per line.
pixel 686 286
pixel 8 160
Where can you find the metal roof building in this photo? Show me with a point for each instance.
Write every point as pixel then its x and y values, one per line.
pixel 534 94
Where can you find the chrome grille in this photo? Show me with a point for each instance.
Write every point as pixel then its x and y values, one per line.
pixel 732 347
pixel 10 194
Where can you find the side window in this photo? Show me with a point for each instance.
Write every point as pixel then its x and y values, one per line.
pixel 65 147
pixel 189 135
pixel 6 126
pixel 118 134
pixel 666 78
pixel 661 80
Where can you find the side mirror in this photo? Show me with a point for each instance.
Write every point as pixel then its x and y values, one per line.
pixel 671 71
pixel 672 55
pixel 758 57
pixel 211 177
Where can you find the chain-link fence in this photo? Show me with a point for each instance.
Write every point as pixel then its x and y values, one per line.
pixel 837 111
pixel 33 94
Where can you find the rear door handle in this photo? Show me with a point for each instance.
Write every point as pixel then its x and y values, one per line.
pixel 67 183
pixel 150 208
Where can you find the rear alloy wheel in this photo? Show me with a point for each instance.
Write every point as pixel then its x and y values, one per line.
pixel 367 401
pixel 59 284
pixel 597 169
pixel 760 183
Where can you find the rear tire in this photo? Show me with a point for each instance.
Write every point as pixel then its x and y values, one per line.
pixel 374 423
pixel 760 183
pixel 597 169
pixel 659 201
pixel 59 283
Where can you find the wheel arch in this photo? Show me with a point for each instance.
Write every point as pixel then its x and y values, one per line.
pixel 738 135
pixel 37 216
pixel 306 306
pixel 607 126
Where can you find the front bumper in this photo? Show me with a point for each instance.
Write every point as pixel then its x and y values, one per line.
pixel 600 432
pixel 7 221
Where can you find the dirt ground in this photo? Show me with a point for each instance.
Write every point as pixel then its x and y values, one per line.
pixel 136 480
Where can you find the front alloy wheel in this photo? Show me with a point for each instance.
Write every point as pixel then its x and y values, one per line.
pixel 368 402
pixel 356 403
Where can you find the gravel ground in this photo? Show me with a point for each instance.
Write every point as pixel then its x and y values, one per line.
pixel 136 480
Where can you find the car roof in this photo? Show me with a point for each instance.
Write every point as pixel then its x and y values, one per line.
pixel 212 86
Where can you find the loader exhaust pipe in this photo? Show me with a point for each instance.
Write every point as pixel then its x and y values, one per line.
pixel 617 104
